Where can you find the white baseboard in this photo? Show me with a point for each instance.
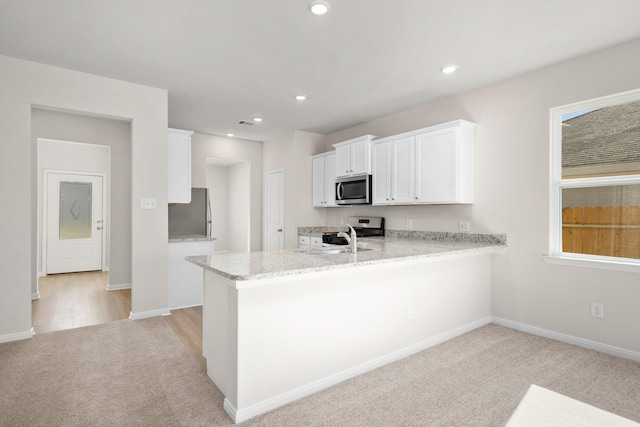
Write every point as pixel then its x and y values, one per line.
pixel 147 314
pixel 35 296
pixel 118 286
pixel 185 306
pixel 17 336
pixel 569 339
pixel 297 393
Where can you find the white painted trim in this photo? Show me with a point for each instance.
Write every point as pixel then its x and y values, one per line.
pixel 331 380
pixel 35 296
pixel 569 339
pixel 589 261
pixel 147 314
pixel 118 286
pixel 185 306
pixel 17 336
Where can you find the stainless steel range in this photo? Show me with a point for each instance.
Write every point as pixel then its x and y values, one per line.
pixel 365 226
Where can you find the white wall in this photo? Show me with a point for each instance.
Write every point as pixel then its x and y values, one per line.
pixel 240 232
pixel 292 152
pixel 512 194
pixel 92 130
pixel 203 146
pixel 25 84
pixel 230 196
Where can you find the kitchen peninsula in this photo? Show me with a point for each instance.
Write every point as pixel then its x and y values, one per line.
pixel 278 326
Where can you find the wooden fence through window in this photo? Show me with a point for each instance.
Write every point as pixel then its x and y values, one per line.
pixel 605 230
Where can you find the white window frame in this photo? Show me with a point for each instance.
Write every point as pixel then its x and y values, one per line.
pixel 557 184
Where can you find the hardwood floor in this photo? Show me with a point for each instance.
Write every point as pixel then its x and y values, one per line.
pixel 187 325
pixel 74 300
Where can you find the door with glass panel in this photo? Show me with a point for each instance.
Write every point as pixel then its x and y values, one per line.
pixel 74 223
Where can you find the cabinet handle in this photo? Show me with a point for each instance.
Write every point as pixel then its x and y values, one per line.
pixel 416 198
pixel 279 230
pixel 98 228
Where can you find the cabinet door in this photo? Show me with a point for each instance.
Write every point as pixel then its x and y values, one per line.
pixel 436 166
pixel 330 180
pixel 381 173
pixel 402 170
pixel 343 161
pixel 360 157
pixel 179 168
pixel 318 179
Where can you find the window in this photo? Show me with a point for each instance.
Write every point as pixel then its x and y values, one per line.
pixel 595 183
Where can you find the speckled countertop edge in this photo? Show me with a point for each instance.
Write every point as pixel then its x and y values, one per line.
pixel 438 236
pixel 266 265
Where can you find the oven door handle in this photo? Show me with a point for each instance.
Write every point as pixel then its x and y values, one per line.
pixel 339 191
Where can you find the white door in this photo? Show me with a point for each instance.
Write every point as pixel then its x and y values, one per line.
pixel 275 210
pixel 74 223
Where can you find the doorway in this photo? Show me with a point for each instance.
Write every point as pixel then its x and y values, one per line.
pixel 77 144
pixel 275 210
pixel 229 184
pixel 73 222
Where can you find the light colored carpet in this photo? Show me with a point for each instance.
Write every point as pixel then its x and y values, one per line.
pixel 138 373
pixel 545 408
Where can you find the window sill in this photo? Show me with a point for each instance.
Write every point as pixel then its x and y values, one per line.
pixel 617 264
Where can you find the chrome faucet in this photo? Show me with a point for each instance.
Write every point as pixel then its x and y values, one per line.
pixel 352 240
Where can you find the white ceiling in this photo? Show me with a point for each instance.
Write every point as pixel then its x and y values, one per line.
pixel 223 61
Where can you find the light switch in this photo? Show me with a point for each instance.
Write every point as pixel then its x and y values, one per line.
pixel 147 203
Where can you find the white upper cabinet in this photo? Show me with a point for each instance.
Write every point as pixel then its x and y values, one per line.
pixel 179 163
pixel 381 168
pixel 353 157
pixel 402 170
pixel 324 179
pixel 427 166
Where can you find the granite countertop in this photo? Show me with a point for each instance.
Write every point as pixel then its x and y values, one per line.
pixel 190 238
pixel 395 246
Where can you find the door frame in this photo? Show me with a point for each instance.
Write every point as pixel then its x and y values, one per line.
pixel 45 211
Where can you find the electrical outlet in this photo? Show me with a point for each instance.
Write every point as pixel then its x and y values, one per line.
pixel 409 223
pixel 597 310
pixel 464 226
pixel 148 203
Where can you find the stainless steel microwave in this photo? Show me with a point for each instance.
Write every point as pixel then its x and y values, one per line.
pixel 353 190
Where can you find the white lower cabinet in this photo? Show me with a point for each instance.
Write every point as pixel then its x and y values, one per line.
pixel 427 166
pixel 186 280
pixel 324 179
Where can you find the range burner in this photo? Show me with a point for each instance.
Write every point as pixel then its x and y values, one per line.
pixel 363 226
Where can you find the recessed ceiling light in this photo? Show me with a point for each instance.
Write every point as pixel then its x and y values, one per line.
pixel 448 69
pixel 229 135
pixel 257 119
pixel 319 7
pixel 301 97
